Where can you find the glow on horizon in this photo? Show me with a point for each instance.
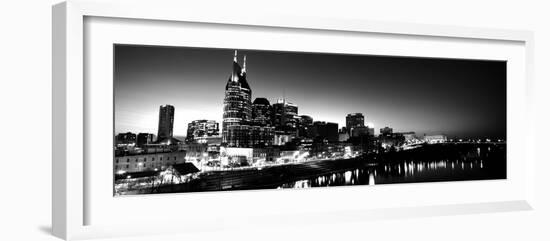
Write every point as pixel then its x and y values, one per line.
pixel 147 121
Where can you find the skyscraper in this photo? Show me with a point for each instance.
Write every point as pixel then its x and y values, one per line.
pixel 166 122
pixel 237 104
pixel 360 131
pixel 305 125
pixel 354 120
pixel 285 117
pixel 238 127
pixel 262 112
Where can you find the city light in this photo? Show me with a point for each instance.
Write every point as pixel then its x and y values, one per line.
pixel 260 144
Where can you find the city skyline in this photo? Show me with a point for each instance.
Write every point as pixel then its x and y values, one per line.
pixel 405 94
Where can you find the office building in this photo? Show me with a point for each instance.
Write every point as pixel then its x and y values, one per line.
pixel 370 130
pixel 200 129
pixel 166 123
pixel 285 117
pixel 144 139
pixel 325 131
pixel 262 112
pixel 305 125
pixel 386 131
pixel 248 136
pixel 126 139
pixel 130 163
pixel 354 120
pixel 359 131
pixel 237 106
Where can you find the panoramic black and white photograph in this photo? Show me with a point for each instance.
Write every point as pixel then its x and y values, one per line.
pixel 192 119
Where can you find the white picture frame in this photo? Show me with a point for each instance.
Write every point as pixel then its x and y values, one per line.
pixel 72 113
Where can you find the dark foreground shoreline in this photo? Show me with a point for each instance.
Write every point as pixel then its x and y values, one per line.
pixel 473 161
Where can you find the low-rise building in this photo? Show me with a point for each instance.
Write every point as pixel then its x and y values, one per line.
pixel 236 156
pixel 147 161
pixel 343 136
pixel 389 141
pixel 127 139
pixel 263 155
pixel 293 156
pixel 195 151
pixel 144 139
pixel 280 139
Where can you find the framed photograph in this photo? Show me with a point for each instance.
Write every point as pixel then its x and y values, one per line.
pixel 225 121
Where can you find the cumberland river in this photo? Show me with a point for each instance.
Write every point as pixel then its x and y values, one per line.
pixel 431 163
pixel 489 163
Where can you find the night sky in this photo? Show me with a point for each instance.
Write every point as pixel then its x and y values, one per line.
pixel 463 98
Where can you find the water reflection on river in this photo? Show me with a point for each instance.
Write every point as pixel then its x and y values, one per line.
pixel 473 167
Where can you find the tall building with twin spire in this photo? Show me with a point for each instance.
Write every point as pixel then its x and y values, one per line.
pixel 237 104
pixel 238 127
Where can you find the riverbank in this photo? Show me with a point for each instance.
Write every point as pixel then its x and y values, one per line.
pixel 428 163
